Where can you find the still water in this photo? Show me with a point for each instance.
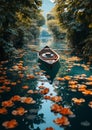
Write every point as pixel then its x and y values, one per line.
pixel 22 77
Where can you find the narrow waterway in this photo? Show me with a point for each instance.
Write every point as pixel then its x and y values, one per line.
pixel 23 81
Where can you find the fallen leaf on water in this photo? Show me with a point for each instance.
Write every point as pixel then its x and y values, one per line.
pixel 72 82
pixel 49 128
pixel 60 79
pixel 7 103
pixel 30 91
pixel 87 92
pixel 27 100
pixel 30 76
pixel 89 83
pixel 66 111
pixel 10 124
pixel 63 121
pixel 3 110
pixel 16 98
pixel 19 111
pixel 78 101
pixel 89 78
pixel 67 77
pixel 90 104
pixel 25 87
pixel 44 91
pixel 56 98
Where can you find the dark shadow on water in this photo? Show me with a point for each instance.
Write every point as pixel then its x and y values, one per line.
pixel 50 71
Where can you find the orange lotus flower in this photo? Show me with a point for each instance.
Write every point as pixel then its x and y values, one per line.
pixel 63 121
pixel 8 103
pixel 10 124
pixel 19 111
pixel 16 98
pixel 49 128
pixel 78 101
pixel 3 110
pixel 56 98
pixel 44 91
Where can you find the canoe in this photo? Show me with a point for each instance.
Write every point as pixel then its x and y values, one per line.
pixel 48 55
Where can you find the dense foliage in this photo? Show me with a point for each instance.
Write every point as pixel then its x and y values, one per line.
pixel 20 21
pixel 76 17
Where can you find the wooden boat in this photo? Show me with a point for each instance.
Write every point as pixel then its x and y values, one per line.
pixel 48 55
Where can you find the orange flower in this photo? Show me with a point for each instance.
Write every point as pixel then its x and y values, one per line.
pixel 62 121
pixel 10 124
pixel 78 101
pixel 89 83
pixel 60 79
pixel 30 91
pixel 25 87
pixel 56 98
pixel 90 104
pixel 47 97
pixel 16 98
pixel 41 87
pixel 44 91
pixel 74 86
pixel 29 76
pixel 56 108
pixel 21 75
pixel 19 111
pixel 89 78
pixel 7 103
pixel 3 110
pixel 13 83
pixel 87 92
pixel 82 87
pixel 27 100
pixel 67 77
pixel 71 82
pixel 66 111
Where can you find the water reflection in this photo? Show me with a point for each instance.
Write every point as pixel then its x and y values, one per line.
pixel 49 71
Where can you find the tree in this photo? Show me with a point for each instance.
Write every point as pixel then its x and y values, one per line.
pixel 16 19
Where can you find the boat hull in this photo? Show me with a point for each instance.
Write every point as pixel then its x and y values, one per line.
pixel 48 55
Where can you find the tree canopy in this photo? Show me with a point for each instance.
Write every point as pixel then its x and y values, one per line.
pixel 17 20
